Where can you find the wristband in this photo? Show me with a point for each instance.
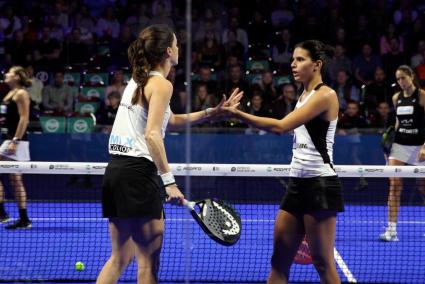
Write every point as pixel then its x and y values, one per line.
pixel 208 111
pixel 168 179
pixel 15 140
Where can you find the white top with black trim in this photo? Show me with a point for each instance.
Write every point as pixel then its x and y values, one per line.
pixel 128 132
pixel 313 146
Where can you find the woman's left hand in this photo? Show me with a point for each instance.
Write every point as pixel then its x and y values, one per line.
pixel 225 104
pixel 421 154
pixel 11 148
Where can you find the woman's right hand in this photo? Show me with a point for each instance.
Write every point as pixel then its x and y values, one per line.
pixel 174 195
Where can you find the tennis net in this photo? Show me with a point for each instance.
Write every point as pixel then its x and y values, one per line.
pixel 64 206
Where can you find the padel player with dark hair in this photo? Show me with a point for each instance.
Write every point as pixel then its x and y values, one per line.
pixel 314 195
pixel 131 188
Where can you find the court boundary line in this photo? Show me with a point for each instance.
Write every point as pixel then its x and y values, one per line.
pixel 243 220
pixel 344 267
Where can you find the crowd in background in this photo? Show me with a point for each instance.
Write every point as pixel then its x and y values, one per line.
pixel 235 43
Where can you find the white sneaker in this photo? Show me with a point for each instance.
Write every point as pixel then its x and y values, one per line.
pixel 388 236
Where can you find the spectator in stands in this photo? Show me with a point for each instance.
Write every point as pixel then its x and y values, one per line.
pixel 106 116
pixel 285 102
pixel 118 47
pixel 84 21
pixel 108 26
pixel 394 58
pixel 345 90
pixel 162 6
pixel 210 51
pixel 140 20
pixel 385 40
pixel 56 31
pixel 235 80
pixel 58 97
pixel 209 23
pixel 282 15
pixel 361 31
pixel 9 23
pixel 17 50
pixel 283 48
pixel 35 91
pixel 337 63
pixel 233 46
pixel 256 107
pixel 351 119
pixel 47 51
pixel 378 91
pixel 365 64
pixel 161 16
pixel 240 34
pixel 203 99
pixel 268 88
pixel 419 57
pixel 405 11
pixel 256 28
pixel 382 117
pixel 205 77
pixel 118 85
pixel 75 51
pixel 414 35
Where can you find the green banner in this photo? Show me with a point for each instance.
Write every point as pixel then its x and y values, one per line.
pixel 80 125
pixel 86 107
pixel 53 124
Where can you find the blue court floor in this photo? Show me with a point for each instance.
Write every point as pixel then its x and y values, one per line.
pixel 64 233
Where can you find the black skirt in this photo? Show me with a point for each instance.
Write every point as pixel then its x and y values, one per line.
pixel 131 189
pixel 306 195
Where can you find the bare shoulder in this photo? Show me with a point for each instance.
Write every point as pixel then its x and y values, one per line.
pixel 395 96
pixel 422 97
pixel 159 84
pixel 327 93
pixel 22 94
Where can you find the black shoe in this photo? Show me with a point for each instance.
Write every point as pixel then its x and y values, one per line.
pixel 20 224
pixel 4 219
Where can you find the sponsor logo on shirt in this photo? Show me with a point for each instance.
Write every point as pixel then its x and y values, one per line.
pixel 122 144
pixel 405 110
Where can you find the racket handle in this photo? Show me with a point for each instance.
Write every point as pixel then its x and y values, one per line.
pixel 189 204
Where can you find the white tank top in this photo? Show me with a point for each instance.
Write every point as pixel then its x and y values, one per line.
pixel 128 132
pixel 312 147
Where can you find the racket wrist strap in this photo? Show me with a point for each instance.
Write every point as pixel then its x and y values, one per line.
pixel 168 179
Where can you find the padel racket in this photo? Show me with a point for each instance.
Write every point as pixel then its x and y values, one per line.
pixel 388 139
pixel 303 255
pixel 217 219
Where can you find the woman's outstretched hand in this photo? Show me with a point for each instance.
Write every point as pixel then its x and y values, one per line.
pixel 227 106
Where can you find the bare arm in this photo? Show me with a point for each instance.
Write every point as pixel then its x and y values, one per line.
pixel 158 104
pixel 421 154
pixel 179 120
pixel 315 106
pixel 395 98
pixel 23 104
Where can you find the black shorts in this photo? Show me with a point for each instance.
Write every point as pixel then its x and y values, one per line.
pixel 306 195
pixel 131 189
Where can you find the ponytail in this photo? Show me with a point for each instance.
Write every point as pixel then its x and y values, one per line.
pixel 147 52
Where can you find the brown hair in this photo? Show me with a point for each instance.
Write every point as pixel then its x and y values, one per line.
pixel 24 80
pixel 317 51
pixel 146 53
pixel 409 72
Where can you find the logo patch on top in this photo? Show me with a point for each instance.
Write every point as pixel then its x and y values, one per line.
pixel 405 110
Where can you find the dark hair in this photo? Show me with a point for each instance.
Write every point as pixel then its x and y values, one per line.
pixel 146 53
pixel 24 80
pixel 114 94
pixel 317 50
pixel 409 72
